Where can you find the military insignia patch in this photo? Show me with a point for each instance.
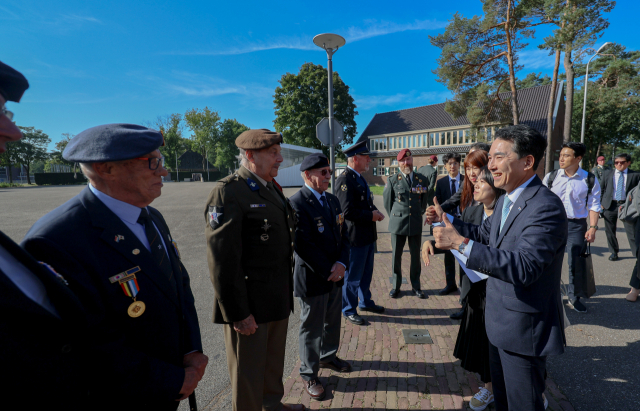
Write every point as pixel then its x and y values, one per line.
pixel 253 185
pixel 343 187
pixel 215 216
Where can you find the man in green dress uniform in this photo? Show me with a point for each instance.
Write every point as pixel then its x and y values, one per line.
pixel 405 199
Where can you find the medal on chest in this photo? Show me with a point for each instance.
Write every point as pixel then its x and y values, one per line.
pixel 320 226
pixel 265 227
pixel 129 284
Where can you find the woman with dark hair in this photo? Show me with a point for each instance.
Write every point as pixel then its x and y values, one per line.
pixel 472 345
pixel 473 163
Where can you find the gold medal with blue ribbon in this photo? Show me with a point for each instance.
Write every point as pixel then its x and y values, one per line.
pixel 129 284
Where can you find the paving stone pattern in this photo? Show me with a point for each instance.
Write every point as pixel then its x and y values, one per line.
pixel 387 373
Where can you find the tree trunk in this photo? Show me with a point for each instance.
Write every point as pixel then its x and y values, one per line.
pixel 10 172
pixel 568 113
pixel 512 74
pixel 549 156
pixel 598 151
pixel 28 167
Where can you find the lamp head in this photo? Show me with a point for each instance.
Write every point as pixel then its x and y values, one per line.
pixel 603 46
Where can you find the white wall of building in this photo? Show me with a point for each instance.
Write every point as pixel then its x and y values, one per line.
pixel 290 177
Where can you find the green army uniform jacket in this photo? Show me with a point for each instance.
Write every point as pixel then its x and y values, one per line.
pixel 250 239
pixel 431 174
pixel 405 205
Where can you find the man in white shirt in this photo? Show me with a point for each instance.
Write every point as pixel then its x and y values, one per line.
pixel 579 191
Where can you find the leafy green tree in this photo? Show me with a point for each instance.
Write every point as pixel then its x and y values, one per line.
pixel 32 147
pixel 533 80
pixel 8 159
pixel 301 101
pixel 171 127
pixel 226 150
pixel 205 126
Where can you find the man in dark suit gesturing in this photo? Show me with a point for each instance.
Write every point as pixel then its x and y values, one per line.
pixel 445 188
pixel 521 248
pixel 616 184
pixel 321 257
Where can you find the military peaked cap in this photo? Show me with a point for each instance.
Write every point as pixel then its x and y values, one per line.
pixel 12 83
pixel 358 148
pixel 112 142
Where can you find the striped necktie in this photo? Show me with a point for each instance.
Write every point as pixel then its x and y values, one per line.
pixel 620 188
pixel 505 210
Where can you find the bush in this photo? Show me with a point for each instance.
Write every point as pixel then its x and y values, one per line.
pixel 59 178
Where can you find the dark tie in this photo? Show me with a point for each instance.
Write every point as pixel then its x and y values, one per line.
pixel 325 204
pixel 409 180
pixel 155 245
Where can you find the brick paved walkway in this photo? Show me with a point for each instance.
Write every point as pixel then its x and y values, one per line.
pixel 389 374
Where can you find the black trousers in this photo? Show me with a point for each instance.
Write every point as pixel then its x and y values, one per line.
pixel 518 380
pixel 450 269
pixel 397 244
pixel 610 225
pixel 635 276
pixel 576 245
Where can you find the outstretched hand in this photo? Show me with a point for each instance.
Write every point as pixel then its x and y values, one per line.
pixel 447 237
pixel 434 213
pixel 427 249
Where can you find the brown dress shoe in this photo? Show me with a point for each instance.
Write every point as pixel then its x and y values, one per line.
pixel 293 407
pixel 337 365
pixel 315 389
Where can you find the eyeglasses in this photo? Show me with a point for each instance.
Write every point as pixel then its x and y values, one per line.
pixel 620 162
pixel 154 162
pixel 7 113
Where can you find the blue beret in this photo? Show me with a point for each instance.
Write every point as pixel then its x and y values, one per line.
pixel 12 83
pixel 358 148
pixel 112 142
pixel 315 160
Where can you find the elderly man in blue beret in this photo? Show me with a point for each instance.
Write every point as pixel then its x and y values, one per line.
pixel 321 258
pixel 121 260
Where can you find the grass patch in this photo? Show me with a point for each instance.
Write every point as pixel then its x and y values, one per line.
pixel 376 190
pixel 9 185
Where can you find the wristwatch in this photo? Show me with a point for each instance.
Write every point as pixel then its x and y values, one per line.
pixel 593 226
pixel 463 245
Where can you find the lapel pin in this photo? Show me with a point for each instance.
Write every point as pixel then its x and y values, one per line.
pixel 118 238
pixel 135 251
pixel 519 208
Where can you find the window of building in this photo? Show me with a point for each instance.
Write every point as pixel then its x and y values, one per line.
pixel 381 162
pixel 404 142
pixel 488 134
pixel 464 156
pixel 441 170
pixel 433 139
pixel 394 162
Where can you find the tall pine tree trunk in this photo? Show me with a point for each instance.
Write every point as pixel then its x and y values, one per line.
pixel 549 157
pixel 512 74
pixel 568 113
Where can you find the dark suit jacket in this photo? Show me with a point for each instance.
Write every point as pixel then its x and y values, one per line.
pixel 443 193
pixel 142 356
pixel 321 241
pixel 358 208
pixel 608 190
pixel 250 250
pixel 43 357
pixel 524 312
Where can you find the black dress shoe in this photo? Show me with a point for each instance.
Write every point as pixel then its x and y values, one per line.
pixel 448 290
pixel 394 293
pixel 374 308
pixel 355 319
pixel 337 365
pixel 613 257
pixel 458 315
pixel 419 294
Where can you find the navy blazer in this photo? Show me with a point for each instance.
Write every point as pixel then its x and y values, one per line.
pixel 321 241
pixel 42 353
pixel 606 186
pixel 357 204
pixel 443 193
pixel 524 311
pixel 143 356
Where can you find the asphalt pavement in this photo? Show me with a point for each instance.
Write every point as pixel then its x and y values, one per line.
pixel 597 372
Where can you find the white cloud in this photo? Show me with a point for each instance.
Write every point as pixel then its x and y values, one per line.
pixel 81 19
pixel 536 59
pixel 372 28
pixel 402 100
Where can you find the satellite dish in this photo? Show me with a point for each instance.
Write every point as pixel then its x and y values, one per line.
pixel 329 41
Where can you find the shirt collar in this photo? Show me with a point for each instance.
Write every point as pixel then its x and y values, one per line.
pixel 260 179
pixel 354 171
pixel 580 173
pixel 125 211
pixel 457 178
pixel 318 195
pixel 623 172
pixel 410 175
pixel 513 196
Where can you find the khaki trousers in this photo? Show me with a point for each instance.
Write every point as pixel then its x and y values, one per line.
pixel 256 365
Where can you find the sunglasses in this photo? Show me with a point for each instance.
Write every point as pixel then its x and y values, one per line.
pixel 620 162
pixel 325 172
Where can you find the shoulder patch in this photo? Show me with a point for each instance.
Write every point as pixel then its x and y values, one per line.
pixel 253 185
pixel 215 216
pixel 343 187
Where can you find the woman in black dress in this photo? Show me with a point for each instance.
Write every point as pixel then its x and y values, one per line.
pixel 472 345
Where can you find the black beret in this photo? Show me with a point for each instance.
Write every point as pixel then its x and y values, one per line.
pixel 357 148
pixel 257 139
pixel 112 142
pixel 315 160
pixel 12 83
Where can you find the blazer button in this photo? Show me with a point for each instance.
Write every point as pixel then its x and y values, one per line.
pixel 66 349
pixel 291 244
pixel 246 277
pixel 290 230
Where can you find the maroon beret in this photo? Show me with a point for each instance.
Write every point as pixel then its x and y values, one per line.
pixel 434 158
pixel 600 158
pixel 258 139
pixel 402 153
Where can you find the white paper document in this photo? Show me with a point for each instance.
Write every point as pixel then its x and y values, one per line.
pixel 474 276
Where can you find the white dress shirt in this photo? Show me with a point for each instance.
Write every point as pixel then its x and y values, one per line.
pixel 129 215
pixel 573 193
pixel 25 280
pixel 616 176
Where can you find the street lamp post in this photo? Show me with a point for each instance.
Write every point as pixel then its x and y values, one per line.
pixel 586 83
pixel 330 43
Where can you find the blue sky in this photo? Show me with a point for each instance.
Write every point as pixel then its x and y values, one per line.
pixel 91 62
